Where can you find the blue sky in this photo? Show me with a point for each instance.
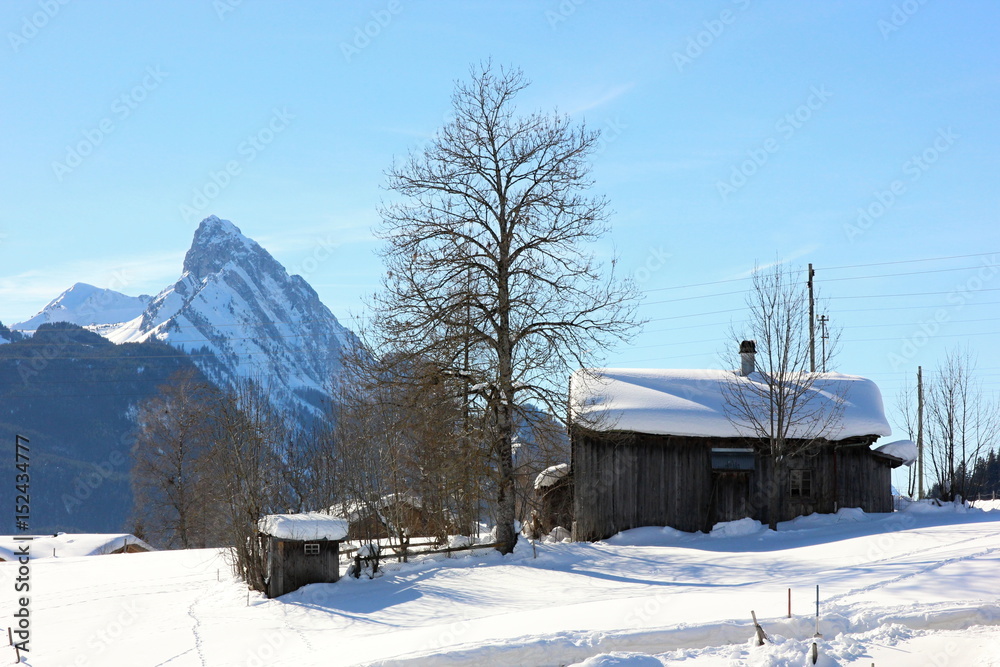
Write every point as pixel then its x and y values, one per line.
pixel 736 132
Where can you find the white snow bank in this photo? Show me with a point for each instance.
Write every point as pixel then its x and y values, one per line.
pixel 693 402
pixel 458 541
pixel 620 659
pixel 66 545
pixel 815 520
pixel 931 506
pixel 305 526
pixel 987 505
pixel 558 534
pixel 738 528
pixel 649 536
pixel 551 476
pixel 901 449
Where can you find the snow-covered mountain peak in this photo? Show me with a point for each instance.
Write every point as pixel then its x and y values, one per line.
pixel 87 305
pixel 218 242
pixel 235 309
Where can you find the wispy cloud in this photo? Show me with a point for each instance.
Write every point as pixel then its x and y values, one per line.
pixel 600 99
pixel 333 234
pixel 795 254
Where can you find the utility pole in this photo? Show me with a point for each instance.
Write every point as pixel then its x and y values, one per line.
pixel 920 432
pixel 823 319
pixel 812 323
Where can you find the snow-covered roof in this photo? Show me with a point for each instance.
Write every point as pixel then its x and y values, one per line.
pixel 692 402
pixel 67 545
pixel 551 475
pixel 901 449
pixel 304 527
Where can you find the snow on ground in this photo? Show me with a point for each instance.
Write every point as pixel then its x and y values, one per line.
pixel 907 589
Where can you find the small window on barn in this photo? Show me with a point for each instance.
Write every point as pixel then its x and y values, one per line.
pixel 312 549
pixel 800 483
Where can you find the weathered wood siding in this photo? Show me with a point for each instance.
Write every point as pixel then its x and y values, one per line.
pixel 555 505
pixel 625 480
pixel 290 568
pixel 633 480
pixel 864 479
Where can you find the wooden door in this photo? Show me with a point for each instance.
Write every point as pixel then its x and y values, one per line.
pixel 730 496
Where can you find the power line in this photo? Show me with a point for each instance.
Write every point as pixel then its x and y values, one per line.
pixel 897 338
pixel 868 310
pixel 692 298
pixel 836 268
pixel 909 261
pixel 886 296
pixel 906 273
pixel 908 324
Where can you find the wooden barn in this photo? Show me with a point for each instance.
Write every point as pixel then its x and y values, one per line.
pixel 301 549
pixel 554 496
pixel 656 448
pixel 390 516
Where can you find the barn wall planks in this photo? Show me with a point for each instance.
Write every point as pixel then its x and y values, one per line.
pixel 624 480
pixel 290 567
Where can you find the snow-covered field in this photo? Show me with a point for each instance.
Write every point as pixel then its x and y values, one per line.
pixel 920 587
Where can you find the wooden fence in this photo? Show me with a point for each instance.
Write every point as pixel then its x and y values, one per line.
pixel 402 554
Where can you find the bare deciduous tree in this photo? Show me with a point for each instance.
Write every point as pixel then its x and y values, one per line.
pixel 962 423
pixel 906 404
pixel 249 435
pixel 169 475
pixel 410 461
pixel 490 268
pixel 778 404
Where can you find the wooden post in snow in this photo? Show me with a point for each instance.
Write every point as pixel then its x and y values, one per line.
pixel 760 631
pixel 817 613
pixel 920 432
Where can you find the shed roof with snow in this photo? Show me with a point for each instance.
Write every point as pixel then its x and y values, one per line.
pixel 693 403
pixel 304 527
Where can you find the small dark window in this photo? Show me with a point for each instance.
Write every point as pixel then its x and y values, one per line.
pixel 312 549
pixel 800 483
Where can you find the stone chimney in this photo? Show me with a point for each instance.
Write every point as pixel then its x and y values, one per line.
pixel 748 353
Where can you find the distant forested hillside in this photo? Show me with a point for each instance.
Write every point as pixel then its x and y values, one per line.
pixel 70 392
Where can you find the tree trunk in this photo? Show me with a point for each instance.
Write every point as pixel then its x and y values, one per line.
pixel 506 535
pixel 776 492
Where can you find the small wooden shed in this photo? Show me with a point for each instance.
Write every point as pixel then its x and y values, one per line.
pixel 554 494
pixel 656 448
pixel 302 549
